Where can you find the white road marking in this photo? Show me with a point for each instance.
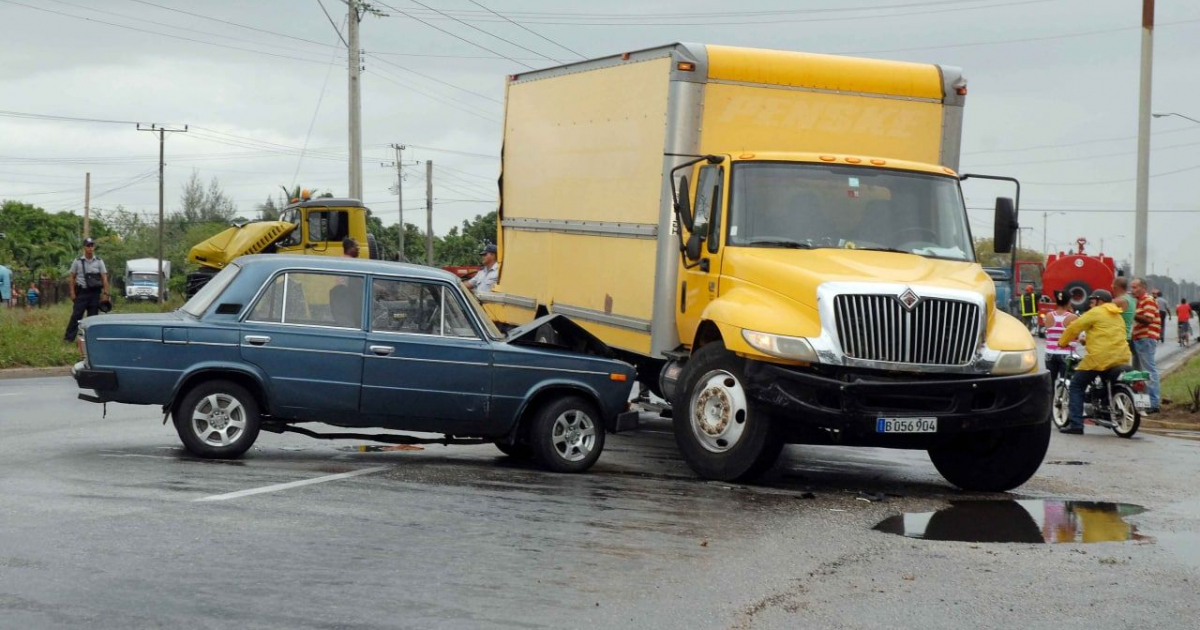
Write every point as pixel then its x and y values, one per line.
pixel 291 484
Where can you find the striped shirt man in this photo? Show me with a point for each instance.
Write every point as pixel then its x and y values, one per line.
pixel 1147 309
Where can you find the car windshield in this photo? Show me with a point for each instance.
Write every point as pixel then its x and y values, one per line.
pixel 488 326
pixel 810 206
pixel 144 279
pixel 209 292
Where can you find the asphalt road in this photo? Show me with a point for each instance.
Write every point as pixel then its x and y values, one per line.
pixel 107 523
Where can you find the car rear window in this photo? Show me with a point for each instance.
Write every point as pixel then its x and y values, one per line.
pixel 209 292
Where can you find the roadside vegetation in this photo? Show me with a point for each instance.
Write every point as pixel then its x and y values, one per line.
pixel 33 337
pixel 1182 388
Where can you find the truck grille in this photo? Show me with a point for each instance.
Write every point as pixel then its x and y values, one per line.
pixel 934 332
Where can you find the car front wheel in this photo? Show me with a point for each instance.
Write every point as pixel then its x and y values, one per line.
pixel 217 420
pixel 567 434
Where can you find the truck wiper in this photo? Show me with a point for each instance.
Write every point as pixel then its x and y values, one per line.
pixel 779 242
pixel 884 249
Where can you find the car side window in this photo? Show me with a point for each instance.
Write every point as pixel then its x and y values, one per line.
pixel 311 299
pixel 403 306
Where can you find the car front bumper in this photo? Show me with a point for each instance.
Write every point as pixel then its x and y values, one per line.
pixel 820 409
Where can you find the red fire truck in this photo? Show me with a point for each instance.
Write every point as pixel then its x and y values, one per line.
pixel 1075 273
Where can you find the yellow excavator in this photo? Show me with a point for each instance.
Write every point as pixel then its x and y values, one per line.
pixel 305 226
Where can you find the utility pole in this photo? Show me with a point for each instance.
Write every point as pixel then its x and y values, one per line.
pixel 399 164
pixel 87 205
pixel 355 107
pixel 1142 220
pixel 429 212
pixel 162 140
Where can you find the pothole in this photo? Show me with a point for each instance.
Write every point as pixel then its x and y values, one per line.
pixel 1035 521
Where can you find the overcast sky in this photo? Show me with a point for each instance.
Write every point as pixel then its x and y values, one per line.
pixel 1053 96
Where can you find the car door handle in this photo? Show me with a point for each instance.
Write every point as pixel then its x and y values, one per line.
pixel 258 340
pixel 382 351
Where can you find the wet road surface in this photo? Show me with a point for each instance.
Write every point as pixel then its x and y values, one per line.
pixel 107 523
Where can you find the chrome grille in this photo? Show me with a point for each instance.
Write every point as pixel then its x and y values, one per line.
pixel 936 331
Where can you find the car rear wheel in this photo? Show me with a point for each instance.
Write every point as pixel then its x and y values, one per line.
pixel 567 434
pixel 217 420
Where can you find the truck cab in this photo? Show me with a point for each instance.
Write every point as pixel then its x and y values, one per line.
pixel 305 226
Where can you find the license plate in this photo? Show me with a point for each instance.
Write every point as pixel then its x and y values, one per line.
pixel 906 425
pixel 1141 401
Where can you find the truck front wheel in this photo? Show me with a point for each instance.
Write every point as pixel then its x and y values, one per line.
pixel 721 433
pixel 993 461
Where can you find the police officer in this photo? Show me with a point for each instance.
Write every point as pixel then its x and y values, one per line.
pixel 89 286
pixel 485 278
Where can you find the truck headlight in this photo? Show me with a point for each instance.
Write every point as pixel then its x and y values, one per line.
pixel 796 348
pixel 1018 362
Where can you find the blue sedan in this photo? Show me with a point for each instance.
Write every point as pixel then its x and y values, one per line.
pixel 274 341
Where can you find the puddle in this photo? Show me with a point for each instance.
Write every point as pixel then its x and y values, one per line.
pixel 1050 521
pixel 379 448
pixel 1066 462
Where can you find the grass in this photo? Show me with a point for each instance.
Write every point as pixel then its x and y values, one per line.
pixel 1177 387
pixel 33 338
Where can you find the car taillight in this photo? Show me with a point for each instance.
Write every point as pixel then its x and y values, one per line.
pixel 1139 386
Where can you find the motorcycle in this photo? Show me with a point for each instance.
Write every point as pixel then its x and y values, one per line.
pixel 1116 400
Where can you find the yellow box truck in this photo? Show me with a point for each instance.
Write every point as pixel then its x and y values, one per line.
pixel 778 241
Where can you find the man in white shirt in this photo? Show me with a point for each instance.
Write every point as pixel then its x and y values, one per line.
pixel 485 279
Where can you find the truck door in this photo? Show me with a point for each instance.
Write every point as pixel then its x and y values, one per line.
pixel 699 280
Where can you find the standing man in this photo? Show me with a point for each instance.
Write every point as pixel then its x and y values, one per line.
pixel 1029 308
pixel 349 248
pixel 1121 297
pixel 1163 313
pixel 6 285
pixel 485 279
pixel 1147 329
pixel 1106 346
pixel 1183 313
pixel 89 283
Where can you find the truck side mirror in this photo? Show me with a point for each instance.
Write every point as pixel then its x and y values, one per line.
pixel 1005 224
pixel 694 242
pixel 683 203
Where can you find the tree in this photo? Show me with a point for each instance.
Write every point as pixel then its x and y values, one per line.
pixel 985 251
pixel 268 211
pixel 198 206
pixel 462 247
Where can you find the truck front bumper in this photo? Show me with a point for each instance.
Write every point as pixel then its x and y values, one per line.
pixel 819 409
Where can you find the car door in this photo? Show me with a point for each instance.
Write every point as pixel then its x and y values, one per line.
pixel 305 331
pixel 426 366
pixel 698 282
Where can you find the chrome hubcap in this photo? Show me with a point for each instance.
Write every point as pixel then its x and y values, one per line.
pixel 718 411
pixel 573 435
pixel 219 420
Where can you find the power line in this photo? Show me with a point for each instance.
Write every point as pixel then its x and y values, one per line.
pixel 390 78
pixel 227 22
pixel 433 26
pixel 334 24
pixel 439 150
pixel 320 98
pixel 522 26
pixel 489 34
pixel 1077 158
pixel 11 114
pixel 435 79
pixel 1112 181
pixel 161 34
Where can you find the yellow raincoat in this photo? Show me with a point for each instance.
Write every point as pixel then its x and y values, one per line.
pixel 1106 344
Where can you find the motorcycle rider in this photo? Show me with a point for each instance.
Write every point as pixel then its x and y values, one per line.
pixel 1056 322
pixel 1106 349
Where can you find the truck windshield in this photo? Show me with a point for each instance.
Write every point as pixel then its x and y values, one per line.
pixel 144 279
pixel 810 206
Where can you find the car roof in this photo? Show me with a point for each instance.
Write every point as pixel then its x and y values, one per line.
pixel 272 262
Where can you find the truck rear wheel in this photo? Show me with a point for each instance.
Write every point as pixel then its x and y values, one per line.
pixel 722 434
pixel 993 461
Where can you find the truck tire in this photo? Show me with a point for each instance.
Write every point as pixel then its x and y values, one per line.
pixel 566 434
pixel 722 433
pixel 1077 291
pixel 372 247
pixel 993 461
pixel 217 420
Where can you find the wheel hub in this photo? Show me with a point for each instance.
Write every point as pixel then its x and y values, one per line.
pixel 713 411
pixel 218 419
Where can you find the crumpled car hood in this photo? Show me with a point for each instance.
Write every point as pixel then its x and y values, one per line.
pixel 558 332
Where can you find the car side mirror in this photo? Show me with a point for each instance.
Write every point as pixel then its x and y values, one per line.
pixel 694 242
pixel 683 203
pixel 1005 224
